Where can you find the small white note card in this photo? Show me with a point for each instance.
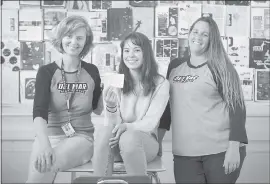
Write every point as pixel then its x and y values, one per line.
pixel 115 80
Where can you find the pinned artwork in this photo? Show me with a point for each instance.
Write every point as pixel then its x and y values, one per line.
pixel 32 55
pixel 166 23
pixel 188 13
pixel 30 27
pixel 100 5
pixel 9 19
pixel 119 23
pixel 260 23
pixel 259 53
pixel 10 55
pixel 166 49
pixel 27 86
pixel 78 5
pixel 238 51
pixel 262 85
pixel 52 18
pixel 246 76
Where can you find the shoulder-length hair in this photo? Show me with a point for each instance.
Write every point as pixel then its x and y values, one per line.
pixel 222 68
pixel 69 25
pixel 149 70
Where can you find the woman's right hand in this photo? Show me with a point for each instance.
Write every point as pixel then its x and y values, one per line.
pixel 45 159
pixel 110 97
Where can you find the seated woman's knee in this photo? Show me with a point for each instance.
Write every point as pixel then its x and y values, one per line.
pixel 130 141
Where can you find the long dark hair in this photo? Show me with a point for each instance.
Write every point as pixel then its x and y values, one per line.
pixel 224 72
pixel 149 70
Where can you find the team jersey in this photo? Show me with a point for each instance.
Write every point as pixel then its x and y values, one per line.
pixel 50 101
pixel 201 123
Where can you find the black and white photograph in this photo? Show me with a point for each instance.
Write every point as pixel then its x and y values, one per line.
pixel 151 91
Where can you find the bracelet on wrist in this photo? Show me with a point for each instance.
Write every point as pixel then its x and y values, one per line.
pixel 111 107
pixel 109 110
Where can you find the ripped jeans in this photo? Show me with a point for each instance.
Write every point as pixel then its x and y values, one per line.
pixel 69 152
pixel 135 149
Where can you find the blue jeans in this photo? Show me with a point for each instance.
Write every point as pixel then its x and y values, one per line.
pixel 205 169
pixel 135 148
pixel 69 152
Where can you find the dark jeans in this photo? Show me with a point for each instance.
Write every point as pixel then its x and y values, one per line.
pixel 205 169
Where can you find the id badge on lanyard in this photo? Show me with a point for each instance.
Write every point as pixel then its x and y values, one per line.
pixel 67 127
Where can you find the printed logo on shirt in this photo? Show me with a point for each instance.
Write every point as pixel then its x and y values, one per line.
pixel 184 79
pixel 72 87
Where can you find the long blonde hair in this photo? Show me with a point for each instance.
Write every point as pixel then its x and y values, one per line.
pixel 222 68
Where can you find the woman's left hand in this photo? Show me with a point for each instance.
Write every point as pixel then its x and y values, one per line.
pixel 232 159
pixel 118 129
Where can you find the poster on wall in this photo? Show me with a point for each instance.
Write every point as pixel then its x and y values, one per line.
pixel 10 87
pixel 238 21
pixel 188 13
pixel 78 5
pixel 246 76
pixel 30 27
pixel 99 5
pixel 98 22
pixel 54 3
pixel 140 3
pixel 51 54
pixel 9 4
pixel 238 51
pixel 143 20
pixel 27 86
pixel 256 3
pixel 262 85
pixel 32 55
pixel 166 21
pixel 166 49
pixel 218 13
pixel 260 23
pixel 236 2
pixel 52 18
pixel 10 55
pixel 119 23
pixel 183 48
pixel 9 19
pixel 259 53
pixel 29 3
pixel 105 57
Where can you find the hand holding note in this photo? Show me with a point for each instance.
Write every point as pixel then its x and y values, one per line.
pixel 114 80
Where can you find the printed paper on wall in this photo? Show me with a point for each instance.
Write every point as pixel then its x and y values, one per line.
pixel 218 13
pixel 143 20
pixel 188 13
pixel 32 55
pixel 98 23
pixel 238 23
pixel 52 18
pixel 100 5
pixel 260 23
pixel 119 23
pixel 81 5
pixel 238 51
pixel 262 85
pixel 27 86
pixel 246 76
pixel 166 21
pixel 30 27
pixel 166 49
pixel 256 3
pixel 9 28
pixel 54 3
pixel 10 55
pixel 259 53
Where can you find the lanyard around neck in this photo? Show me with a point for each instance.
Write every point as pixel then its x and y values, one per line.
pixel 69 99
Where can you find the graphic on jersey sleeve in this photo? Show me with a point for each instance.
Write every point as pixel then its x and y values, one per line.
pixel 72 87
pixel 185 79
